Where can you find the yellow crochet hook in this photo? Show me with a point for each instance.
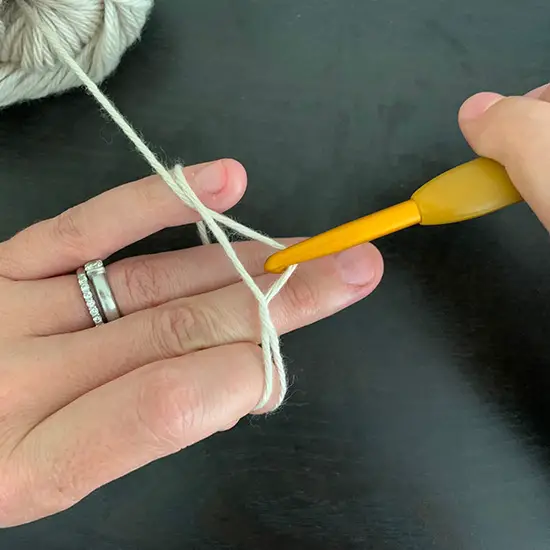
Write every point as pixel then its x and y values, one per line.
pixel 468 191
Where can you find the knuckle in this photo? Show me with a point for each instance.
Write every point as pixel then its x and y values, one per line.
pixel 183 328
pixel 67 230
pixel 150 192
pixel 301 297
pixel 142 282
pixel 516 125
pixel 7 266
pixel 167 411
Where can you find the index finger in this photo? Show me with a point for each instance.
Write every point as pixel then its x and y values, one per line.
pixel 514 131
pixel 117 218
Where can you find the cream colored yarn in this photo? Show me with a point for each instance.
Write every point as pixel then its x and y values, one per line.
pixel 96 33
pixel 48 46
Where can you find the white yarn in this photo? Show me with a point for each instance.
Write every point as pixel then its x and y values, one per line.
pixel 95 33
pixel 59 43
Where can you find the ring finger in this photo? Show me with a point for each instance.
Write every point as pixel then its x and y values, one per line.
pixel 137 283
pixel 76 363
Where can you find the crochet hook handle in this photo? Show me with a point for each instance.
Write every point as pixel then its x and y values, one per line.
pixel 468 191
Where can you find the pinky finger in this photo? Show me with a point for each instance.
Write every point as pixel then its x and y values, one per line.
pixel 145 415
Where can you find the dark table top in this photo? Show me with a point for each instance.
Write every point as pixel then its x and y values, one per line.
pixel 419 418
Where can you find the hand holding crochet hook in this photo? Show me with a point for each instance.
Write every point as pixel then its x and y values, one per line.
pixel 476 188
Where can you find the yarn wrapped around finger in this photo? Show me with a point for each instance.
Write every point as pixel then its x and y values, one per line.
pixel 51 46
pixel 96 33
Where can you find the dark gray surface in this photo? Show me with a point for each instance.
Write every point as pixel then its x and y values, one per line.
pixel 419 419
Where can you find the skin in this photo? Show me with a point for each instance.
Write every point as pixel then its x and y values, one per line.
pixel 82 406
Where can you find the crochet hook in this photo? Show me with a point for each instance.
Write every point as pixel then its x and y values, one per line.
pixel 471 190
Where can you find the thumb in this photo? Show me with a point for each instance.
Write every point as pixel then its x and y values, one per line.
pixel 514 131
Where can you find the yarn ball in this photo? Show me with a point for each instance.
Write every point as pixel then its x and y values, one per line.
pixel 95 32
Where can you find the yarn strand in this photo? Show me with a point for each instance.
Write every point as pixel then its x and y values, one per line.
pixel 212 223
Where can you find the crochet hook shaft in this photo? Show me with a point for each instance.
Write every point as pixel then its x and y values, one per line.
pixel 468 191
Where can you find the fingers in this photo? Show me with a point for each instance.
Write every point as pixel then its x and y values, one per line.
pixel 150 413
pixel 542 92
pixel 230 314
pixel 115 219
pixel 55 306
pixel 514 131
pixel 80 362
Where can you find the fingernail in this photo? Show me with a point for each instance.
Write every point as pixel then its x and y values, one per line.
pixel 356 266
pixel 478 104
pixel 537 92
pixel 211 178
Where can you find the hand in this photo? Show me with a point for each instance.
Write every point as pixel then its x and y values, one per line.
pixel 82 406
pixel 515 131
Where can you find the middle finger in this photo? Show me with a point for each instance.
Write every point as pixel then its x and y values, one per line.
pixel 76 363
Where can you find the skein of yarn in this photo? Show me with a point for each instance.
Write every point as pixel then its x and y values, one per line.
pixel 96 33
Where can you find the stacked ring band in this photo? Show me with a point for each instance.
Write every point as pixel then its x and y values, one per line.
pixel 97 293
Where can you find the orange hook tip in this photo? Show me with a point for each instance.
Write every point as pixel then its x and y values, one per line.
pixel 347 236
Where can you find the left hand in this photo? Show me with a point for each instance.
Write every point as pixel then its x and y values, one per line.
pixel 80 407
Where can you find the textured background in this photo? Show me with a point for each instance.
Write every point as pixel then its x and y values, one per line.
pixel 420 418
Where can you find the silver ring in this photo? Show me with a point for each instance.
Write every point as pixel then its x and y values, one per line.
pixel 89 297
pixel 97 275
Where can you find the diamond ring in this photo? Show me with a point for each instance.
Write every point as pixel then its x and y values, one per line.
pixel 97 293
